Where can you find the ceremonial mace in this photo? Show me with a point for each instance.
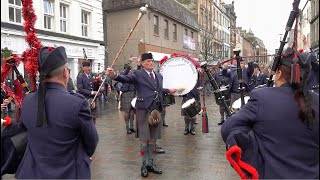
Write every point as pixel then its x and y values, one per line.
pixel 143 10
pixel 276 62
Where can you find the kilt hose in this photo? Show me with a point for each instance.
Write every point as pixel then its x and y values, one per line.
pixel 146 132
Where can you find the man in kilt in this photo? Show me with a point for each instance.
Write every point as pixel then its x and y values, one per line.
pixel 149 89
pixel 128 93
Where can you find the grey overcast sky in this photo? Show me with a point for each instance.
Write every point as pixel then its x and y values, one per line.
pixel 266 18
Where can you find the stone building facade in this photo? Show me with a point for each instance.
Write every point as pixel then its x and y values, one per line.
pixel 75 24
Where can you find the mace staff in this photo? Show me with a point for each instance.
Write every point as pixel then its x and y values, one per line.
pixel 143 10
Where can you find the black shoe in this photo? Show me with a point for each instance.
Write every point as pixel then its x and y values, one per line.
pixel 221 122
pixel 165 124
pixel 157 146
pixel 132 130
pixel 160 151
pixel 192 131
pixel 128 131
pixel 186 131
pixel 153 168
pixel 144 170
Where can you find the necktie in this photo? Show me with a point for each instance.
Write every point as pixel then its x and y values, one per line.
pixel 151 75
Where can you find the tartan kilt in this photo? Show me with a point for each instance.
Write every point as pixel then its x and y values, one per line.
pixel 146 132
pixel 126 98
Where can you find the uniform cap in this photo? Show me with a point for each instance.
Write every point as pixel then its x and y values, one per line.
pixel 145 56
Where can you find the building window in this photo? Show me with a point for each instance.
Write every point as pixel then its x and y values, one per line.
pixel 84 23
pixel 186 32
pixel 175 32
pixel 166 29
pixel 156 25
pixel 191 34
pixel 63 18
pixel 48 14
pixel 15 11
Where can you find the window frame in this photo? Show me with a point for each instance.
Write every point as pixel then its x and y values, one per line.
pixel 166 29
pixel 15 7
pixel 175 33
pixel 155 24
pixel 63 17
pixel 48 16
pixel 85 25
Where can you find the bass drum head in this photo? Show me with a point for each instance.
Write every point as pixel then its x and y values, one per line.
pixel 180 73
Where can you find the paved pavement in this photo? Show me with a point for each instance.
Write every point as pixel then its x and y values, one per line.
pixel 187 157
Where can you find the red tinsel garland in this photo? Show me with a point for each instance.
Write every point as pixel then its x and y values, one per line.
pixel 30 56
pixel 165 58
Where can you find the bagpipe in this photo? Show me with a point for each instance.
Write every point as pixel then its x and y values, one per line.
pixel 219 94
pixel 276 61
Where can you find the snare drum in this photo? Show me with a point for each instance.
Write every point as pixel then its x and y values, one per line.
pixel 168 100
pixel 191 108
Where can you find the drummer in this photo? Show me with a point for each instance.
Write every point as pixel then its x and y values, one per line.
pixel 190 121
pixel 149 88
pixel 128 93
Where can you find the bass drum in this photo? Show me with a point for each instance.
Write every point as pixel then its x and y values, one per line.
pixel 180 73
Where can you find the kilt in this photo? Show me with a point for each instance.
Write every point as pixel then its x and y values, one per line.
pixel 126 98
pixel 144 131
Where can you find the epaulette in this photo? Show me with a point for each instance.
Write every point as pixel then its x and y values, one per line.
pixel 77 94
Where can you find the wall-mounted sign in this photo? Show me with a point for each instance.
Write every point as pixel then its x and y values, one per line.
pixel 189 42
